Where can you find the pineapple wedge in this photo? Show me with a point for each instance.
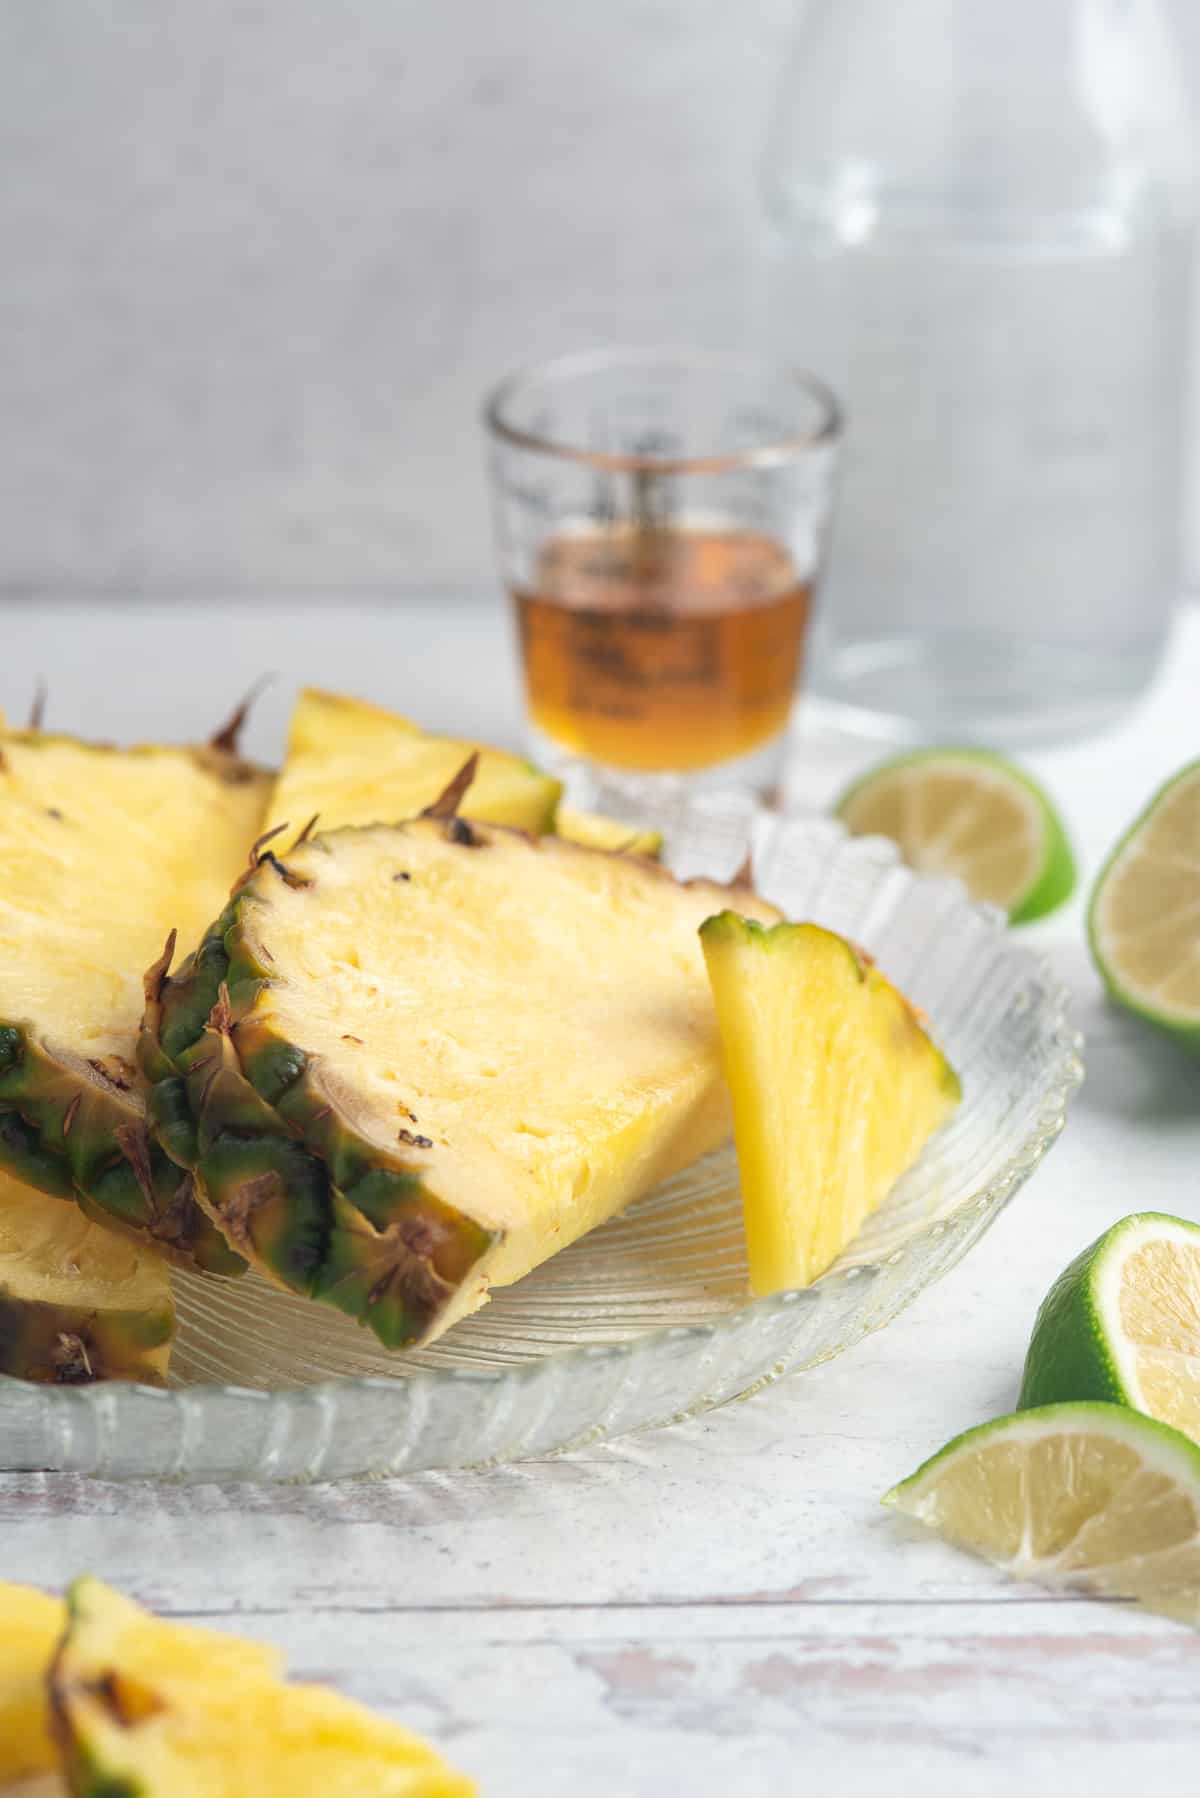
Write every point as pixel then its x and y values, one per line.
pixel 595 831
pixel 353 763
pixel 836 1088
pixel 409 1063
pixel 104 851
pixel 30 1627
pixel 78 1302
pixel 146 1709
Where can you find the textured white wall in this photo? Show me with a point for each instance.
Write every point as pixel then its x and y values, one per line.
pixel 259 257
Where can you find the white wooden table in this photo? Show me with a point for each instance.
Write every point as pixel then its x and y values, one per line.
pixel 722 1608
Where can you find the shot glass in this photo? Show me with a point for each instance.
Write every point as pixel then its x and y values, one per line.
pixel 662 518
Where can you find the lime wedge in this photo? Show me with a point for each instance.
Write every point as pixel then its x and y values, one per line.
pixel 1144 916
pixel 1123 1323
pixel 973 814
pixel 1087 1498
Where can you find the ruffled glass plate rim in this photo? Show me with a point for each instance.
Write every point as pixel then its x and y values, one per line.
pixel 87 1428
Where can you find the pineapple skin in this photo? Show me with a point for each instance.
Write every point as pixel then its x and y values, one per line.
pixel 79 1134
pixel 67 1345
pixel 31 1625
pixel 76 1129
pixel 299 1193
pixel 78 1302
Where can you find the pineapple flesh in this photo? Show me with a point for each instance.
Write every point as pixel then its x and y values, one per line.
pixel 353 763
pixel 30 1627
pixel 409 1063
pixel 836 1088
pixel 146 1709
pixel 104 851
pixel 78 1302
pixel 595 831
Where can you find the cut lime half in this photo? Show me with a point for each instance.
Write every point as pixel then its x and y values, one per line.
pixel 969 813
pixel 1123 1323
pixel 1144 916
pixel 1086 1498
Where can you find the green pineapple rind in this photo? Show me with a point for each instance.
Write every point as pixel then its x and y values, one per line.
pixel 543 824
pixel 294 1187
pixel 71 1345
pixel 61 1130
pixel 82 1773
pixel 63 1120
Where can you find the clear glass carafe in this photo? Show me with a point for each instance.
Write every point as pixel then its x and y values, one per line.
pixel 980 222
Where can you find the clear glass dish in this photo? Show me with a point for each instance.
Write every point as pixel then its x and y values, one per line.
pixel 646 1320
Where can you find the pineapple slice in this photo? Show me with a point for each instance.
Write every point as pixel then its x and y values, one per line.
pixel 349 762
pixel 595 831
pixel 353 763
pixel 30 1627
pixel 836 1088
pixel 409 1063
pixel 78 1302
pixel 153 1710
pixel 103 852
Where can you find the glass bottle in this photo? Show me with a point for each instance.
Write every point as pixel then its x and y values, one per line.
pixel 980 224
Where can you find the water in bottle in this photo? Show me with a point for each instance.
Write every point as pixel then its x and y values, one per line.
pixel 980 234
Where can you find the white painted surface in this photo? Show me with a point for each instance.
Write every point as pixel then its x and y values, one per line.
pixel 260 257
pixel 720 1609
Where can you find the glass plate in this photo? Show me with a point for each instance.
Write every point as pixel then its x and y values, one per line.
pixel 646 1320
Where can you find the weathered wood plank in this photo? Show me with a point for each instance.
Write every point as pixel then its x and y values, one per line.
pixel 714 1701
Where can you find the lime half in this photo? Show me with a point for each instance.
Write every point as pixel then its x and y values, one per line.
pixel 1123 1323
pixel 1087 1498
pixel 973 814
pixel 1144 917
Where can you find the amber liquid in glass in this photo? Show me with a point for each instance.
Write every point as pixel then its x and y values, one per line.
pixel 662 648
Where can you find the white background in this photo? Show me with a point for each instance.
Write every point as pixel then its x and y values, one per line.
pixel 259 257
